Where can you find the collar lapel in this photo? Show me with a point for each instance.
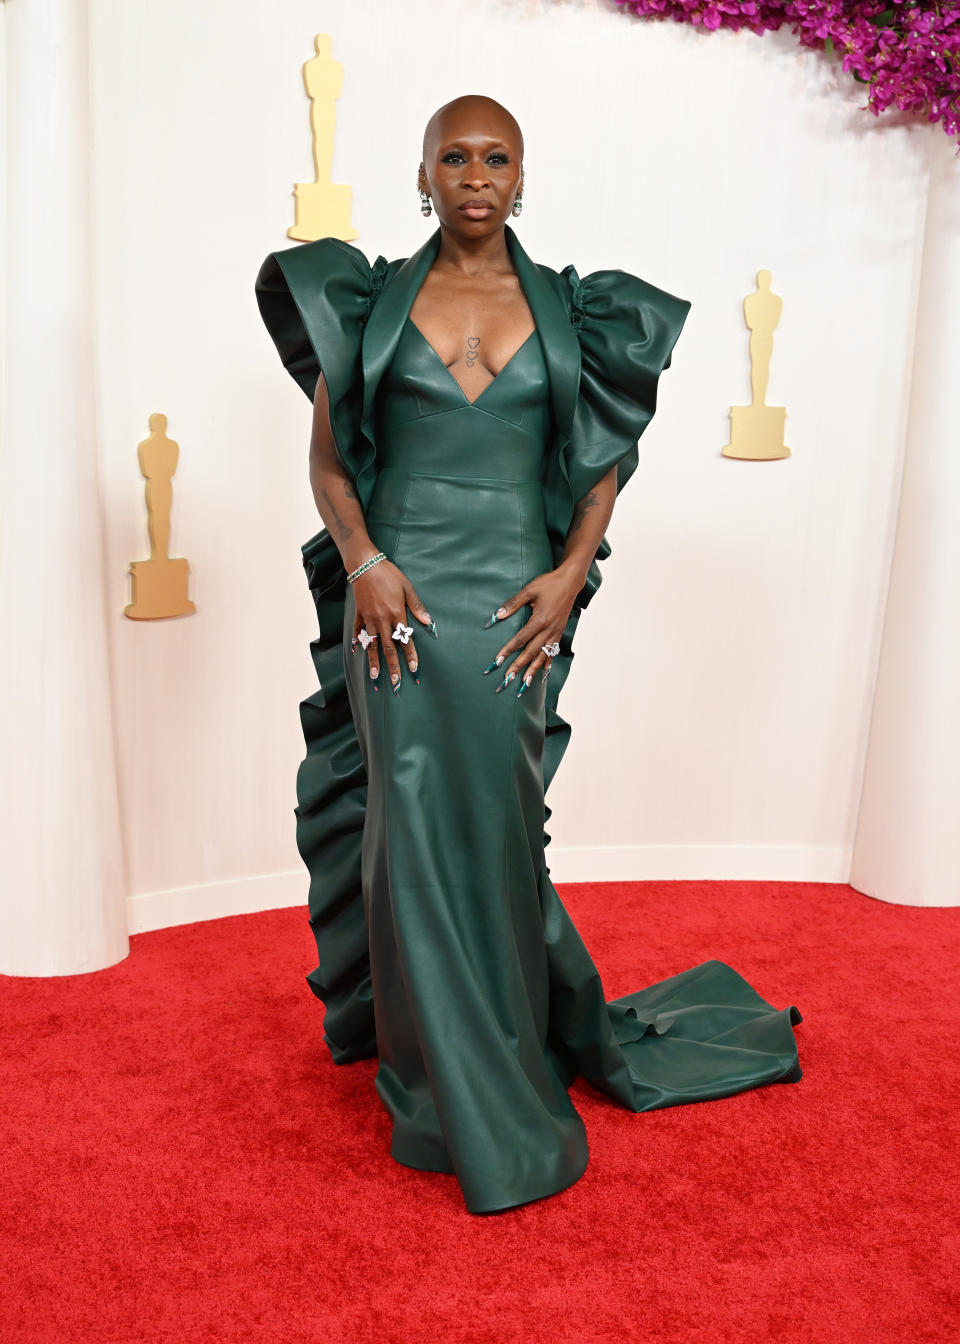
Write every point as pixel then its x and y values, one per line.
pixel 385 323
pixel 561 349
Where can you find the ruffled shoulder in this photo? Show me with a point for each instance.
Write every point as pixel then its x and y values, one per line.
pixel 315 300
pixel 627 329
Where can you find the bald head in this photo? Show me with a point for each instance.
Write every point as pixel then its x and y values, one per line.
pixel 471 114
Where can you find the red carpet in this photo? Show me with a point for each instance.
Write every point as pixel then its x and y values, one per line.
pixel 182 1161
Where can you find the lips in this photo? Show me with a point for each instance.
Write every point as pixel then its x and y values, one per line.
pixel 476 206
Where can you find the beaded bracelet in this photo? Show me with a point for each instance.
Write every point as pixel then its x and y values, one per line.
pixel 374 559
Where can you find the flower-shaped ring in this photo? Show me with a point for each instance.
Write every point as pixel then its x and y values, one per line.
pixel 403 632
pixel 364 637
pixel 551 649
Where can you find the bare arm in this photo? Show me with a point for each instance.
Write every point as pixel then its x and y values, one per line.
pixel 589 523
pixel 333 490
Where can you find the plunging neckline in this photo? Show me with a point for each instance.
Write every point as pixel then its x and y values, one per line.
pixel 454 380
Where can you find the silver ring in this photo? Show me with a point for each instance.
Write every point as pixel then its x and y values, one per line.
pixel 550 649
pixel 365 638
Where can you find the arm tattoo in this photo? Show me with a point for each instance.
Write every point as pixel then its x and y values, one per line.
pixel 343 528
pixel 589 501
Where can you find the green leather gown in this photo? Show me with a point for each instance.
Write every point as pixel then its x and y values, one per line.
pixel 443 947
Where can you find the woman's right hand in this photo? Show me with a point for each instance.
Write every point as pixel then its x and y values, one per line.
pixel 382 594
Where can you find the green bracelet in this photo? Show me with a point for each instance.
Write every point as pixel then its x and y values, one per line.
pixel 374 559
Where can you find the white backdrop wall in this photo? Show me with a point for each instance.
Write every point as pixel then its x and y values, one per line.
pixel 723 682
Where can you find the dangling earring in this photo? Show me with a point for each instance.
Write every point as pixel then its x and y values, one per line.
pixel 425 207
pixel 518 203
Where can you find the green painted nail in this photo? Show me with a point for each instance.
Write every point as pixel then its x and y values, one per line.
pixel 496 663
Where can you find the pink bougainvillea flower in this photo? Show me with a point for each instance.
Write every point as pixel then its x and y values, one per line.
pixel 908 55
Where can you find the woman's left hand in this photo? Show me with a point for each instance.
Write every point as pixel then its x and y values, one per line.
pixel 551 595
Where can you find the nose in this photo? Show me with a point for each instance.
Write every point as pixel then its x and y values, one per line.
pixel 475 177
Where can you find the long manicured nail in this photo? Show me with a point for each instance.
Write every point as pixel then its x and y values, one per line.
pixel 395 678
pixel 506 680
pixel 433 629
pixel 374 673
pixel 524 687
pixel 496 663
pixel 353 644
pixel 498 615
pixel 413 672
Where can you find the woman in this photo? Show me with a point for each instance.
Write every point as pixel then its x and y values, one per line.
pixel 475 416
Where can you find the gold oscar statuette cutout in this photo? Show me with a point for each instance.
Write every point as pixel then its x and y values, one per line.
pixel 159 584
pixel 322 207
pixel 756 431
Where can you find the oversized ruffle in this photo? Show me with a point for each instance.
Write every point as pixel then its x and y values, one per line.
pixel 627 329
pixel 315 301
pixel 331 803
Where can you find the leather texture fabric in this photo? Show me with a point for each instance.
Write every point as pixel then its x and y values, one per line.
pixel 443 947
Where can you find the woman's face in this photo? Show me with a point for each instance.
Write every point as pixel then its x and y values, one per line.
pixel 471 170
